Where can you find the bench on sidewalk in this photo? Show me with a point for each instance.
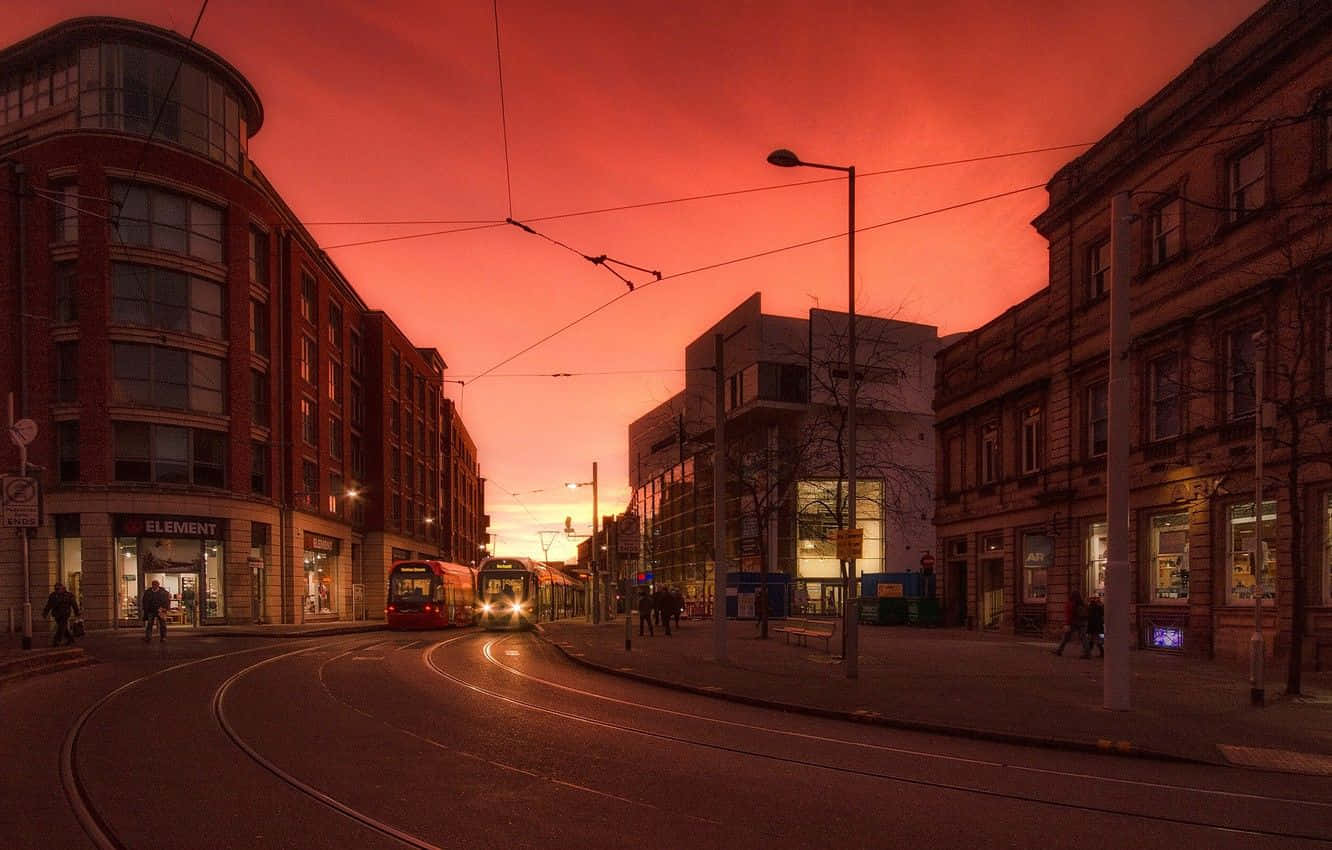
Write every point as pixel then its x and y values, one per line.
pixel 803 630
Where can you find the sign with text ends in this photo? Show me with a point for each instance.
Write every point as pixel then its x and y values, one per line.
pixel 21 502
pixel 850 543
pixel 627 539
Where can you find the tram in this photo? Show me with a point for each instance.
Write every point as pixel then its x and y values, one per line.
pixel 516 593
pixel 430 595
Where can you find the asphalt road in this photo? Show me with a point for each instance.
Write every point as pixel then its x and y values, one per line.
pixel 482 739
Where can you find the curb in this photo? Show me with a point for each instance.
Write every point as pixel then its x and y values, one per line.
pixel 39 665
pixel 1101 746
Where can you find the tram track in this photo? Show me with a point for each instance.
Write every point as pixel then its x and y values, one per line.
pixel 1072 776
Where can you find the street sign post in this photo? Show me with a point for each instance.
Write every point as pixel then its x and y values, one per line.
pixel 850 543
pixel 927 561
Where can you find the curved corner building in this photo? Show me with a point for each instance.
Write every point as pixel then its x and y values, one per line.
pixel 216 407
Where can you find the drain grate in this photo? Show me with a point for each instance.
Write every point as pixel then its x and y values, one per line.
pixel 1288 761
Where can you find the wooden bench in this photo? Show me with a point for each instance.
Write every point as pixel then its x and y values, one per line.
pixel 803 630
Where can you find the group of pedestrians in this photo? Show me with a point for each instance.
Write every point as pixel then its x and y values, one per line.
pixel 1086 620
pixel 661 607
pixel 64 608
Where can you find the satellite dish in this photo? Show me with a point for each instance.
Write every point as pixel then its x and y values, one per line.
pixel 23 432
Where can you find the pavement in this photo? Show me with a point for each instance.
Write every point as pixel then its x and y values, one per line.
pixel 946 681
pixel 984 686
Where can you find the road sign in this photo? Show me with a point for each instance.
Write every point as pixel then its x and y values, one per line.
pixel 850 543
pixel 22 432
pixel 22 502
pixel 627 540
pixel 926 561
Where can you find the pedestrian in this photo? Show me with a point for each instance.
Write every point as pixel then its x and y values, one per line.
pixel 1075 620
pixel 677 605
pixel 645 613
pixel 60 605
pixel 1095 628
pixel 661 601
pixel 155 602
pixel 760 606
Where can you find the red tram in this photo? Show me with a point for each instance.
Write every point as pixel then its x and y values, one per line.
pixel 516 593
pixel 430 595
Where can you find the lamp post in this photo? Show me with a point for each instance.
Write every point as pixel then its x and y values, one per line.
pixel 786 159
pixel 594 602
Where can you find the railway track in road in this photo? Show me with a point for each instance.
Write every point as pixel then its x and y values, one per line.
pixel 1242 798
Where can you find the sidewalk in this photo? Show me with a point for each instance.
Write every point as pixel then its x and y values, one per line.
pixel 985 686
pixel 17 663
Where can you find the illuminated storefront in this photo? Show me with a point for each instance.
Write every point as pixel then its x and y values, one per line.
pixel 321 575
pixel 184 554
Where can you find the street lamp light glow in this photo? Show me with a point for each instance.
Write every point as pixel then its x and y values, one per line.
pixel 353 493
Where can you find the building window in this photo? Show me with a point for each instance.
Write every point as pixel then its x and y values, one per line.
pixel 1098 269
pixel 309 294
pixel 259 469
pixel 356 354
pixel 1095 548
pixel 1031 440
pixel 67 450
pixel 66 293
pixel 1165 227
pixel 309 360
pixel 1164 404
pixel 259 328
pixel 396 469
pixel 1170 557
pixel 335 437
pixel 146 215
pixel 170 300
pixel 334 381
pixel 1098 419
pixel 309 424
pixel 309 483
pixel 357 457
pixel 1241 540
pixel 167 377
pixel 67 371
pixel 259 398
pixel 1247 183
pixel 395 417
pixel 420 476
pixel 1037 558
pixel 64 203
pixel 127 87
pixel 336 494
pixel 1327 548
pixel 167 454
pixel 28 91
pixel 334 324
pixel 1240 361
pixel 357 405
pixel 395 369
pixel 259 257
pixel 989 453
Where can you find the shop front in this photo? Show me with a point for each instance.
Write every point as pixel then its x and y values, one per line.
pixel 184 554
pixel 322 576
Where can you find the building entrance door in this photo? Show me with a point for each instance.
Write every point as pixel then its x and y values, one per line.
pixel 957 593
pixel 992 592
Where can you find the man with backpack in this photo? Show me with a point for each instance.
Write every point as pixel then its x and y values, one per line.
pixel 156 601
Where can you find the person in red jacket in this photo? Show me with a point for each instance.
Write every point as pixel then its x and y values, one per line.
pixel 1075 621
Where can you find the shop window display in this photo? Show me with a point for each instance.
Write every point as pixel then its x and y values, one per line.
pixel 318 583
pixel 1097 544
pixel 190 569
pixel 1170 557
pixel 1243 580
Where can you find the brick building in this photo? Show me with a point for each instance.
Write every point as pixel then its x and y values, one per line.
pixel 1228 167
pixel 213 397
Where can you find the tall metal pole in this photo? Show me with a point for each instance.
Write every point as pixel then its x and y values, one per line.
pixel 628 597
pixel 851 621
pixel 23 533
pixel 1257 649
pixel 1116 684
pixel 719 503
pixel 596 575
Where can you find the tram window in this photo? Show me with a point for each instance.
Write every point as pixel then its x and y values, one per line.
pixel 504 587
pixel 409 587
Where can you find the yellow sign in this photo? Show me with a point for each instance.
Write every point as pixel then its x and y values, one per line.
pixel 892 591
pixel 850 542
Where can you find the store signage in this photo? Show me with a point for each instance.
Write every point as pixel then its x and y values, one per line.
pixel 141 525
pixel 320 543
pixel 1039 551
pixel 890 591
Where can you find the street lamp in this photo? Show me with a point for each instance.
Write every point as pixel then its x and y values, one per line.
pixel 594 608
pixel 786 159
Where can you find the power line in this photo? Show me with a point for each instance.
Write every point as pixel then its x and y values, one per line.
pixel 504 119
pixel 589 314
pixel 587 374
pixel 488 226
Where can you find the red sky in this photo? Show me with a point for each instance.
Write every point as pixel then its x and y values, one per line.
pixel 391 111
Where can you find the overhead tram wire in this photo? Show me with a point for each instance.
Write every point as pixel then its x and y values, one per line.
pixel 590 313
pixel 504 118
pixel 602 260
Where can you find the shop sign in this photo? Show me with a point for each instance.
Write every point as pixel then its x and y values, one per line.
pixel 1038 551
pixel 160 525
pixel 320 543
pixel 890 591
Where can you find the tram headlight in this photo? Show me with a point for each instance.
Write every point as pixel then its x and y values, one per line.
pixel 486 608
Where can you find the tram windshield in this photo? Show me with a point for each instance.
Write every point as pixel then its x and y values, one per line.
pixel 510 587
pixel 411 584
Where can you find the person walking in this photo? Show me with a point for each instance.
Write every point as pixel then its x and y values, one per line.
pixel 60 605
pixel 661 600
pixel 760 606
pixel 155 602
pixel 1075 620
pixel 677 605
pixel 1095 629
pixel 645 613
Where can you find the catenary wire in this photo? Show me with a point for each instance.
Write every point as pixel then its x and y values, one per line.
pixel 504 118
